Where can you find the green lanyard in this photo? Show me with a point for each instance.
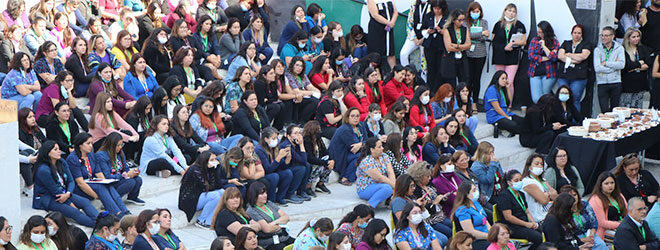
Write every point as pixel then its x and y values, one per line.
pixel 518 199
pixel 616 205
pixel 35 246
pixel 110 121
pixel 256 116
pixel 608 52
pixel 146 122
pixel 503 96
pixel 459 36
pixel 477 23
pixel 243 218
pixel 542 183
pixel 117 163
pixel 506 246
pixel 190 76
pixel 269 213
pixel 65 129
pixel 216 129
pixel 578 219
pixel 507 31
pixel 205 40
pixel 169 240
pixel 466 139
pixel 642 231
pixel 164 140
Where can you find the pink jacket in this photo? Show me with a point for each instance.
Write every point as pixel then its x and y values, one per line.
pixel 99 132
pixel 601 215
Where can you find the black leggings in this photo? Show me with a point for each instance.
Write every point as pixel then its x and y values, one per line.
pixel 280 113
pixel 327 132
pixel 42 121
pixel 159 164
pixel 542 142
pixel 513 125
pixel 533 236
pixel 475 65
pixel 433 59
pixel 304 111
pixel 26 173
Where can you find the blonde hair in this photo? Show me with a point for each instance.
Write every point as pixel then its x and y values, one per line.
pixel 626 40
pixel 515 19
pixel 418 170
pixel 482 154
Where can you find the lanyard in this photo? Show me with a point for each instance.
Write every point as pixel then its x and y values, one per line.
pixel 459 36
pixel 578 219
pixel 418 240
pixel 110 122
pixel 216 129
pixel 507 31
pixel 190 76
pixel 357 132
pixel 608 52
pixel 256 116
pixel 205 40
pixel 642 231
pixel 542 183
pixel 65 129
pixel 467 140
pixel 616 205
pixel 88 166
pixel 144 84
pixel 110 245
pixel 168 239
pixel 164 140
pixel 518 199
pixel 422 11
pixel 503 97
pixel 477 23
pixel 242 218
pixel 269 213
pixel 574 46
pixel 35 246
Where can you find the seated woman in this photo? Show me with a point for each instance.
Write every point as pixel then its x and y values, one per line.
pixel 393 86
pixel 470 215
pixel 538 192
pixel 321 75
pixel 301 169
pixel 273 161
pixel 160 154
pixel 124 49
pixel 34 234
pixel 200 189
pixel 241 82
pixel 62 35
pixel 314 233
pixel 464 131
pixel 269 91
pixel 565 108
pixel 65 234
pixel 49 192
pixel 229 171
pixel 127 230
pixel 186 139
pixel 584 219
pixel 208 125
pixel 411 231
pixel 95 27
pixel 251 170
pixel 297 46
pixel 61 90
pixel 412 147
pixel 85 167
pixel 173 88
pixel 21 87
pixel 421 114
pixel 30 140
pixel 513 206
pixel 318 158
pixel 541 126
pixel 62 128
pixel 496 103
pixel 463 100
pixel 421 174
pixel 338 241
pixel 375 236
pixel 341 64
pixel 498 237
pixel 561 172
pixel 269 216
pixel 437 143
pixel 206 40
pixel 306 95
pixel 356 96
pixel 442 103
pixel 139 80
pixel 488 171
pixel 375 180
pixel 373 122
pixel 105 121
pixel 159 101
pixel 633 181
pixel 138 117
pixel 246 238
pixel 104 82
pixel 393 148
pixel 151 20
pixel 356 42
pixel 354 223
pixel 455 138
pixel 446 182
pixel 99 53
pixel 147 225
pixel 165 238
pixel 113 164
pixel 105 233
pixel 557 225
pixel 394 120
pixel 258 32
pixel 188 73
pixel 78 65
pixel 230 42
pixel 159 52
pixel 609 206
pixel 315 46
pixel 345 145
pixel 330 109
pixel 229 216
pixel 460 160
pixel 462 241
pixel 250 118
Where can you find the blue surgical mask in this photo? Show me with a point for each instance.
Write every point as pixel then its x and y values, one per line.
pixel 517 185
pixel 244 8
pixel 301 45
pixel 232 163
pixel 475 196
pixel 363 225
pixel 564 97
pixel 104 80
pixel 475 16
pixel 64 93
pixel 339 62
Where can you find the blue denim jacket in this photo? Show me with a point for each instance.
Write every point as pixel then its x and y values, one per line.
pixel 486 176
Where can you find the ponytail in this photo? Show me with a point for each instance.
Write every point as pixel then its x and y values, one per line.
pixel 104 219
pixel 324 224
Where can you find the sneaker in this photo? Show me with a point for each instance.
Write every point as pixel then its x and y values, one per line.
pixel 202 225
pixel 320 187
pixel 27 192
pixel 163 173
pixel 506 133
pixel 310 192
pixel 136 201
pixel 282 203
pixel 303 196
pixel 293 199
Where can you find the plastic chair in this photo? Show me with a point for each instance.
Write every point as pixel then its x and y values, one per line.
pixel 496 218
pixel 289 247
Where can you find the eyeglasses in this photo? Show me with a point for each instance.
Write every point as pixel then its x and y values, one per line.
pixel 8 229
pixel 643 209
pixel 460 20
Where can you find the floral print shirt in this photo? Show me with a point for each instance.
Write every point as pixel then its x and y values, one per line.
pixel 14 78
pixel 369 162
pixel 418 241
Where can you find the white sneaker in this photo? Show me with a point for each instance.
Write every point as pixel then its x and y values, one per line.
pixel 28 192
pixel 164 173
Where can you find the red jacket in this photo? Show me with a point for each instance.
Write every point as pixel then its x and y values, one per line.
pixel 417 119
pixel 362 104
pixel 371 96
pixel 393 89
pixel 319 78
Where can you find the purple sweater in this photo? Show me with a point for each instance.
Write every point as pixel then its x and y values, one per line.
pixel 443 182
pixel 118 105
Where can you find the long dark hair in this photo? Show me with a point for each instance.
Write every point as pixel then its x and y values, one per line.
pixel 241 237
pixel 396 107
pixel 366 149
pixel 110 146
pixel 32 222
pixel 375 87
pixel 185 130
pixel 361 210
pixel 62 238
pixel 104 219
pixel 375 227
pixel 462 193
pixel 404 223
pixel 562 209
pixel 310 131
pixel 139 109
pixel 202 163
pixel 459 101
pixel 44 158
pixel 152 39
pixel 544 106
pixel 293 62
pixel 78 141
pixel 495 81
pixel 415 101
pixel 568 170
pixel 317 66
pixel 15 63
pixel 397 68
pixel 261 77
pixel 242 51
pixel 393 145
pixel 414 147
pixel 548 33
pixel 616 193
pixel 267 133
pixel 157 99
pixel 254 191
pixel 23 113
pixel 43 49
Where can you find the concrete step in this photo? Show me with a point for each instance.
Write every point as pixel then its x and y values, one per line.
pixel 509 151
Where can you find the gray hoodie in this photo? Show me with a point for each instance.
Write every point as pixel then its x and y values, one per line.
pixel 611 72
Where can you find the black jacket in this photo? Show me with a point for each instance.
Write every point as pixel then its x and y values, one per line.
pixel 629 237
pixel 159 62
pixel 436 42
pixel 555 233
pixel 178 71
pixel 633 82
pixel 245 123
pixel 235 10
pixel 571 116
pixel 176 43
pixel 55 133
pixel 265 94
pixel 29 139
pixel 185 144
pixel 315 159
pixel 192 186
pixel 80 75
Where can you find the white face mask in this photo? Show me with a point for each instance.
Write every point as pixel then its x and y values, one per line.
pixel 155 228
pixel 449 168
pixel 52 231
pixel 213 164
pixel 346 246
pixel 508 19
pixel 447 99
pixel 377 117
pixel 324 238
pixel 112 237
pixel 317 40
pixel 416 219
pixel 38 238
pixel 475 196
pixel 273 143
pixel 537 171
pixel 162 40
pixel 424 99
pixel 2 243
pixel 337 98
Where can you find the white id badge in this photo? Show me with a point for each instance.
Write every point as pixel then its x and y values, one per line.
pixel 419 26
pixel 472 47
pixel 380 6
pixel 458 55
pixel 276 239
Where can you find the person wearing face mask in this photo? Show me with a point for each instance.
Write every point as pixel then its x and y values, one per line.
pixel 334 38
pixel 315 233
pixel 240 10
pixel 35 235
pixel 297 23
pixel 272 158
pixel 147 225
pixel 512 203
pixel 374 122
pixel 64 234
pixel 421 113
pixel 330 109
pixel 5 235
pixel 446 182
pixel 442 103
pixel 341 65
pixel 538 192
pixel 200 189
pixel 315 46
pixel 354 223
pixel 272 219
pixel 104 82
pixel 565 109
pixel 339 240
pixel 104 234
pixel 469 215
pixel 159 52
pixel 411 231
pixel 634 229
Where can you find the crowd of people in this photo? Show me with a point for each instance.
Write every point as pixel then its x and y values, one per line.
pixel 270 131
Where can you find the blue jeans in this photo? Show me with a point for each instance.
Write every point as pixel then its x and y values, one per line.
pixel 360 52
pixel 472 123
pixel 284 181
pixel 300 176
pixel 129 186
pixel 108 196
pixel 443 229
pixel 225 144
pixel 577 87
pixel 376 193
pixel 86 219
pixel 267 52
pixel 207 203
pixel 29 101
pixel 540 85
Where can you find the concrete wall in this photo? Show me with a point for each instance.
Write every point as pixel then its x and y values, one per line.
pixel 10 177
